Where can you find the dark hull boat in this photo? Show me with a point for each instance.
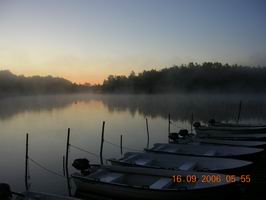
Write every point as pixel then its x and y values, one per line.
pixel 208 150
pixel 185 163
pixel 150 184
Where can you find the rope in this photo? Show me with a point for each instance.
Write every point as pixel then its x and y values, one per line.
pixel 80 149
pixel 116 145
pixel 45 168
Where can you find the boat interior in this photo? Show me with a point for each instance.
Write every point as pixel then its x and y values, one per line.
pixel 140 180
pixel 144 160
pixel 205 150
pixel 173 149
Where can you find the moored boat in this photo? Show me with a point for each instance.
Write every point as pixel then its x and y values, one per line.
pixel 228 130
pixel 208 150
pixel 151 184
pixel 181 162
pixel 243 143
pixel 226 136
pixel 190 139
pixel 213 122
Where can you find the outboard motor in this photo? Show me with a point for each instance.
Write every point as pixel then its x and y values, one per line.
pixel 83 165
pixel 183 132
pixel 212 121
pixel 173 137
pixel 197 124
pixel 5 192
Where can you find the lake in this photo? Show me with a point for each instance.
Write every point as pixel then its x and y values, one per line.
pixel 47 117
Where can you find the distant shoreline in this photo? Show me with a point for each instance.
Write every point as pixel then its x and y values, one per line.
pixel 192 78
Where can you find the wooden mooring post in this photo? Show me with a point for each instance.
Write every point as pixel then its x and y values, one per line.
pixel 66 164
pixel 26 162
pixel 239 111
pixel 148 133
pixel 121 144
pixel 102 140
pixel 169 124
pixel 191 125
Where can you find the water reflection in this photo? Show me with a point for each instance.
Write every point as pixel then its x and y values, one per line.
pixel 46 119
pixel 180 106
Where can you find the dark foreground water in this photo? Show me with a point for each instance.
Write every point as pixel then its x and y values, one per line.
pixel 46 119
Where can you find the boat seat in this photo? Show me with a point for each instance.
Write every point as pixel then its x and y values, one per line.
pixel 143 161
pixel 110 177
pixel 171 149
pixel 210 153
pixel 158 148
pixel 188 166
pixel 161 183
pixel 127 159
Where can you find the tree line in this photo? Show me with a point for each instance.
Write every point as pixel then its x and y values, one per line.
pixel 13 84
pixel 205 77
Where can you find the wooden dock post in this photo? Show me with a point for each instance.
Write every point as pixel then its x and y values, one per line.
pixel 191 125
pixel 67 173
pixel 26 162
pixel 239 111
pixel 102 140
pixel 121 144
pixel 169 124
pixel 148 133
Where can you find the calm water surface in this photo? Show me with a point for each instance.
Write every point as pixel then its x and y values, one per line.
pixel 46 119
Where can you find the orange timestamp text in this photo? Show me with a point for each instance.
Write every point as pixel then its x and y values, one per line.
pixel 211 178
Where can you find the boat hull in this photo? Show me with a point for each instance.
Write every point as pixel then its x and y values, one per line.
pixel 210 151
pixel 249 169
pixel 130 193
pixel 210 141
pixel 229 130
pixel 225 136
pixel 249 157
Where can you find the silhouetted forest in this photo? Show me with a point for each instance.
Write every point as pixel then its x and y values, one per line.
pixel 13 84
pixel 207 77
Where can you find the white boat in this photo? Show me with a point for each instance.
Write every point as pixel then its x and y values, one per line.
pixel 190 139
pixel 208 150
pixel 150 184
pixel 226 136
pixel 213 122
pixel 181 162
pixel 242 143
pixel 228 130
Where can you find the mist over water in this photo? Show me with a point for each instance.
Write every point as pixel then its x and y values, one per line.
pixel 180 106
pixel 46 119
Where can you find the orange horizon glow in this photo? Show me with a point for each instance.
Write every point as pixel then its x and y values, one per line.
pixel 90 78
pixel 83 81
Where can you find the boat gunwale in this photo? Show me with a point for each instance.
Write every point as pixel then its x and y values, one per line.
pixel 206 187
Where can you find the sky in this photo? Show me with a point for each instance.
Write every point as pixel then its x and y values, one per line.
pixel 87 40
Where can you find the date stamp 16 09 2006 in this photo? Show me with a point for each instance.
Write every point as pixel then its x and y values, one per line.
pixel 211 178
